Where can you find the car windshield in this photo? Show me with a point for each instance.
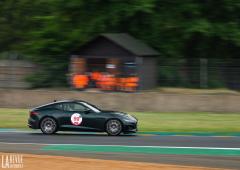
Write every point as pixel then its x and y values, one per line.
pixel 92 107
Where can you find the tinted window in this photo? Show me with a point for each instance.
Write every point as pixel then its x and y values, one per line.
pixel 74 107
pixel 54 106
pixel 91 107
pixel 58 106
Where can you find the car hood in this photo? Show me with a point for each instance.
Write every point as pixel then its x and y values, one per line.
pixel 114 112
pixel 121 114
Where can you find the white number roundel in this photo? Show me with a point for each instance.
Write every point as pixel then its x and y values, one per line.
pixel 76 119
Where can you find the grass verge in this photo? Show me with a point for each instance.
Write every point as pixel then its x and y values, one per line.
pixel 189 122
pixel 151 122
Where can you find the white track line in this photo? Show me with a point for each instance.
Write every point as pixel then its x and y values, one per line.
pixel 167 147
pixel 194 136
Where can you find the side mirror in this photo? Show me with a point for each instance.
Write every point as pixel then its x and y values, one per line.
pixel 87 111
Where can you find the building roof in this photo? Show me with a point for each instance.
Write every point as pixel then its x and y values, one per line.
pixel 131 44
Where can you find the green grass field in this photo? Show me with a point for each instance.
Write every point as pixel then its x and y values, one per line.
pixel 151 122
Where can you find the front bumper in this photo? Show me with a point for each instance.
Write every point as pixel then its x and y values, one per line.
pixel 130 127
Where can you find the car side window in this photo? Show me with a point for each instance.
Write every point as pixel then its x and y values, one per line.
pixel 58 106
pixel 73 107
pixel 54 106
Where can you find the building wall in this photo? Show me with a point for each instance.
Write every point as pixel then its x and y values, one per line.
pixel 147 71
pixel 147 101
pixel 14 72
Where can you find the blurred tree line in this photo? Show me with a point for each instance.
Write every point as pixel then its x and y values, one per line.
pixel 47 30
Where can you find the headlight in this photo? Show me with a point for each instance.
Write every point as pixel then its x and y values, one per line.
pixel 129 118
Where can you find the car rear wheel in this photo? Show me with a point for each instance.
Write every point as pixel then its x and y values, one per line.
pixel 113 127
pixel 48 126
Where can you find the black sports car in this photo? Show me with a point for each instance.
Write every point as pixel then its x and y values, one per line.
pixel 75 115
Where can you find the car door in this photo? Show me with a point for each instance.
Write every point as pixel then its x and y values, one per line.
pixel 79 117
pixel 73 116
pixel 94 121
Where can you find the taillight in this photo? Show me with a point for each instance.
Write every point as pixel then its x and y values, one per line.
pixel 31 113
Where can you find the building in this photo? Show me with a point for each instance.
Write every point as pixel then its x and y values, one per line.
pixel 119 54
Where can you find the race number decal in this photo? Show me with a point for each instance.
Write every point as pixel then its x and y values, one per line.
pixel 76 119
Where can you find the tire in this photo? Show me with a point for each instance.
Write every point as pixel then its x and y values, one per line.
pixel 113 127
pixel 48 126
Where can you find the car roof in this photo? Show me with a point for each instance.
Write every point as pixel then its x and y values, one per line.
pixel 56 102
pixel 63 101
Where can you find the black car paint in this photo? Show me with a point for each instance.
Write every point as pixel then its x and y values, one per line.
pixel 92 121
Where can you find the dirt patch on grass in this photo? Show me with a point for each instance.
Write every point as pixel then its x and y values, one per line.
pixel 41 162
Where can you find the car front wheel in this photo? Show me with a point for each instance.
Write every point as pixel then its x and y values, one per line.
pixel 48 126
pixel 113 127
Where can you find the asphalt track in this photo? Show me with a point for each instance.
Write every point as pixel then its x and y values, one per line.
pixel 219 152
